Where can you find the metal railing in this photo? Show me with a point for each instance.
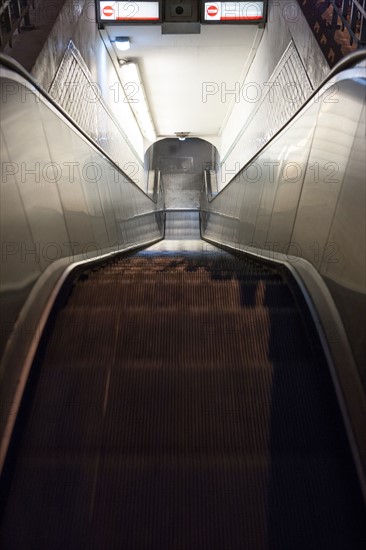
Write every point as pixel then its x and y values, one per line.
pixel 338 25
pixel 352 16
pixel 210 188
pixel 12 13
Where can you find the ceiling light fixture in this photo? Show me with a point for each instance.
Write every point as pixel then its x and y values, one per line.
pixel 136 97
pixel 182 135
pixel 122 43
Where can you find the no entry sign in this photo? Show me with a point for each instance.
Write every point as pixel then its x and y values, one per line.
pixel 212 10
pixel 233 12
pixel 108 11
pixel 129 11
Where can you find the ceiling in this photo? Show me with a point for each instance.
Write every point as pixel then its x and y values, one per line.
pixel 177 69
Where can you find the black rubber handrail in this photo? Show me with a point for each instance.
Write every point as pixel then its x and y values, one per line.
pixel 346 63
pixel 9 63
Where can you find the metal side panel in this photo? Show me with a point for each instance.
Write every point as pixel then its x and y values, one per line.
pixel 63 201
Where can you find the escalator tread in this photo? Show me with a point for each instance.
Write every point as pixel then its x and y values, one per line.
pixel 181 402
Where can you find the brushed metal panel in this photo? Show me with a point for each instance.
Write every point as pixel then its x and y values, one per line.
pixel 343 264
pixel 19 265
pixel 69 163
pixel 313 206
pixel 332 144
pixel 349 267
pixel 269 162
pixel 27 146
pixel 107 206
pixel 291 174
pixel 252 196
pixel 62 201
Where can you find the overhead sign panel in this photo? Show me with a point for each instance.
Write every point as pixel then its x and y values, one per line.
pixel 129 12
pixel 233 12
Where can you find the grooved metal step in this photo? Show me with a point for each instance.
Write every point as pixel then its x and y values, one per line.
pixel 181 402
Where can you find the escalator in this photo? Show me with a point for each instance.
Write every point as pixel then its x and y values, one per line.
pixel 181 399
pixel 179 385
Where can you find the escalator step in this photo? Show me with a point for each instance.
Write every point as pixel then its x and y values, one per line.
pixel 163 293
pixel 259 335
pixel 169 502
pixel 181 403
pixel 217 410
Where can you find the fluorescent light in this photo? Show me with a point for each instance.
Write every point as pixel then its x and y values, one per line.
pixel 122 43
pixel 136 97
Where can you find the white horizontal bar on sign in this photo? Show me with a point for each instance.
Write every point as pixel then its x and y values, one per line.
pixel 129 11
pixel 233 11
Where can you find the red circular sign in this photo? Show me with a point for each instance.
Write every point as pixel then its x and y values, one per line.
pixel 212 10
pixel 108 11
